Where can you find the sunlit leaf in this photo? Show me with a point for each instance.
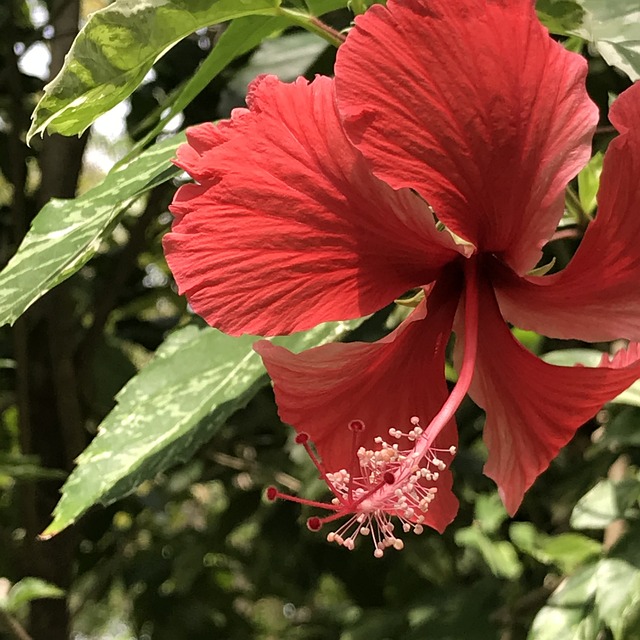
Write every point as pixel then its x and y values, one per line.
pixel 614 29
pixel 66 233
pixel 116 49
pixel 198 378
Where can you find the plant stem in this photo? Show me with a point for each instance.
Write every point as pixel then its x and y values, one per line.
pixel 314 25
pixel 575 207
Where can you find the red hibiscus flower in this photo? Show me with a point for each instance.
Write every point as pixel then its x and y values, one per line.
pixel 437 158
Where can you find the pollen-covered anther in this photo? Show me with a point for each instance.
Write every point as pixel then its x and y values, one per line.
pixel 314 523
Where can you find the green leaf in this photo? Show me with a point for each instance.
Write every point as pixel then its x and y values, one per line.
pixel 623 430
pixel 567 551
pixel 65 234
pixel 320 7
pixel 614 29
pixel 198 378
pixel 500 556
pixel 241 36
pixel 569 612
pixel 618 596
pixel 559 16
pixel 287 57
pixel 589 182
pixel 591 358
pixel 116 49
pixel 618 587
pixel 605 503
pixel 490 512
pixel 26 590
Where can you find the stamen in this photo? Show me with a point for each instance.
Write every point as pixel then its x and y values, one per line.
pixel 370 494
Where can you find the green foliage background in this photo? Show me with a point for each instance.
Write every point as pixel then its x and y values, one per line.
pixel 174 423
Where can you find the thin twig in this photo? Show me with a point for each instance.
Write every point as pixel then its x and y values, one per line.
pixel 15 629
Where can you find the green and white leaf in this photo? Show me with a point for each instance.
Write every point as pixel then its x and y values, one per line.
pixel 591 358
pixel 66 233
pixel 614 29
pixel 569 613
pixel 117 48
pixel 560 16
pixel 606 502
pixel 197 379
pixel 618 587
pixel 119 44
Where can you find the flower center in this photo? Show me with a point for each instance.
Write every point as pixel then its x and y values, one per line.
pixel 393 481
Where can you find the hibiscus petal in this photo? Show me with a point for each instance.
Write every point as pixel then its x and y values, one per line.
pixel 288 228
pixel 472 104
pixel 534 408
pixel 597 297
pixel 383 384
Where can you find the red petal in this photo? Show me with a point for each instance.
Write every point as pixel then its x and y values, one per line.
pixel 288 228
pixel 597 297
pixel 534 408
pixel 383 384
pixel 472 104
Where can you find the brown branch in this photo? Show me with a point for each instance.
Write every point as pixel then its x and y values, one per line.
pixel 615 530
pixel 13 627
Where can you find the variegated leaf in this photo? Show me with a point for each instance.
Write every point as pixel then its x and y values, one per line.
pixel 66 233
pixel 197 379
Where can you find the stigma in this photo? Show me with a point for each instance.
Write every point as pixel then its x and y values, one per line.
pixel 385 492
